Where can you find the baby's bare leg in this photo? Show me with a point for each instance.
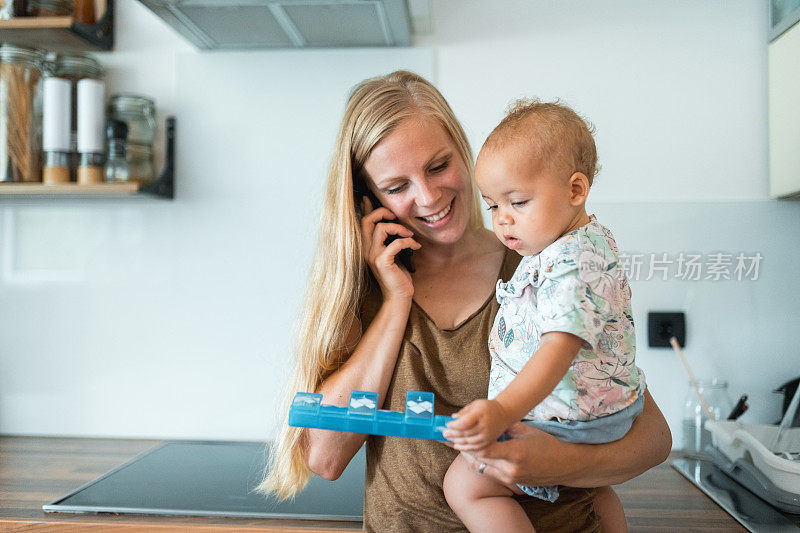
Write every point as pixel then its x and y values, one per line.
pixel 483 503
pixel 609 509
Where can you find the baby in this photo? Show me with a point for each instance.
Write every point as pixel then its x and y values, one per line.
pixel 562 345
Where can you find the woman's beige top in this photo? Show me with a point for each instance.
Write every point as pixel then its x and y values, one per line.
pixel 404 476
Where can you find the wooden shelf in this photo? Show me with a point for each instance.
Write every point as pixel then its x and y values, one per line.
pixel 60 33
pixel 162 187
pixel 68 189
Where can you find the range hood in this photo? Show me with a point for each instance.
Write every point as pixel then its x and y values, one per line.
pixel 240 24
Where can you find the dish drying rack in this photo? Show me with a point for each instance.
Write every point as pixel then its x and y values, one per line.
pixel 765 459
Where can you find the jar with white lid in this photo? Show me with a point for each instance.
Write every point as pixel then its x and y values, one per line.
pixel 74 67
pixel 91 131
pixel 56 110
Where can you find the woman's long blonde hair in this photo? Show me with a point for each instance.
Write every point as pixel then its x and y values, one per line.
pixel 336 283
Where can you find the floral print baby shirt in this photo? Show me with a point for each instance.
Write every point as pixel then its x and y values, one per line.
pixel 575 285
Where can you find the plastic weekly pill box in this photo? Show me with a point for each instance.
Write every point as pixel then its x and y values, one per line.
pixel 362 415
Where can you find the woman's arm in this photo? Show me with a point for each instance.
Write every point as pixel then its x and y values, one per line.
pixel 371 365
pixel 370 368
pixel 533 457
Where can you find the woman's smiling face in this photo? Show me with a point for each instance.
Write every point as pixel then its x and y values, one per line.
pixel 417 173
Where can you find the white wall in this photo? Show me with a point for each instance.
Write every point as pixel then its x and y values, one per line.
pixel 677 89
pixel 173 319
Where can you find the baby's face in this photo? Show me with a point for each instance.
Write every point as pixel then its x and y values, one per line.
pixel 530 207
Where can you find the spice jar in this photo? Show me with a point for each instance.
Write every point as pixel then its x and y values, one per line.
pixel 695 436
pixel 117 162
pixel 55 130
pixel 139 114
pixel 91 130
pixel 50 8
pixel 75 67
pixel 20 113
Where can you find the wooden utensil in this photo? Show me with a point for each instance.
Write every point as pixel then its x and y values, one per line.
pixel 677 347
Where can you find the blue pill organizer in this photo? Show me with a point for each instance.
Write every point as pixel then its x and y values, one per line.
pixel 363 416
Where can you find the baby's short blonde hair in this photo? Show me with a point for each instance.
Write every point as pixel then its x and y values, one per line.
pixel 556 137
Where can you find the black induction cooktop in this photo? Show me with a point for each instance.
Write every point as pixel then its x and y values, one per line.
pixel 202 478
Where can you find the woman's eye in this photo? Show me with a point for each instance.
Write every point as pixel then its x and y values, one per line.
pixel 519 204
pixel 395 190
pixel 491 208
pixel 439 168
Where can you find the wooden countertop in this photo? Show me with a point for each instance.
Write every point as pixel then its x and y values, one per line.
pixel 37 470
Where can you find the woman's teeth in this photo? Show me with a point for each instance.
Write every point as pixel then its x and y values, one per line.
pixel 440 215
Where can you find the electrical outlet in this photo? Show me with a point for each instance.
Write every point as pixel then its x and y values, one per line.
pixel 661 326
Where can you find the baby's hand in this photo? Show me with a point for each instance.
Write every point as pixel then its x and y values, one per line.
pixel 476 426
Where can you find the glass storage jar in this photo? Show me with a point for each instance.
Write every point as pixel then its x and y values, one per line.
pixel 695 436
pixel 20 113
pixel 7 10
pixel 50 8
pixel 140 163
pixel 139 114
pixel 74 67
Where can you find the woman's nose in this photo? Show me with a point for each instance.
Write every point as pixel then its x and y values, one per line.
pixel 428 195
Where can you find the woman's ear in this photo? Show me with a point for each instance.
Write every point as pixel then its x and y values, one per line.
pixel 578 189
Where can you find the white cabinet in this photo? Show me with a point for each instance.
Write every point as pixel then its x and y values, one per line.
pixel 784 114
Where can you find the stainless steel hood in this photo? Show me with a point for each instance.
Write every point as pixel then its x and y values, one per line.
pixel 240 24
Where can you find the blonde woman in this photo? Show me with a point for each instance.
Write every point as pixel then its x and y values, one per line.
pixel 369 324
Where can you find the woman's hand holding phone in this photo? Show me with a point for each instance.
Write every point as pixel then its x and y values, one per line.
pixel 395 281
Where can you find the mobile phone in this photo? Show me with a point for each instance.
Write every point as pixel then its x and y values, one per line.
pixel 360 190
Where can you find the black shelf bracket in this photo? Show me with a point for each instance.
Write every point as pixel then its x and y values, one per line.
pixel 164 186
pixel 101 33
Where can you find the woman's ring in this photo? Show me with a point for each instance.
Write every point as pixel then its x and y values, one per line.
pixel 481 468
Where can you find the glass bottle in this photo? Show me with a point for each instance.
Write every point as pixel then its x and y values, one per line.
pixel 695 436
pixel 117 161
pixel 20 113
